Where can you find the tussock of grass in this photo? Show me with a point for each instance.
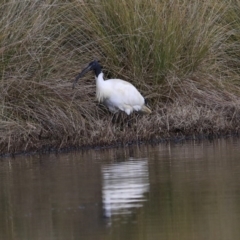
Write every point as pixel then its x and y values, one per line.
pixel 182 55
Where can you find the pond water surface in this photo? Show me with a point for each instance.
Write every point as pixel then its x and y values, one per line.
pixel 186 191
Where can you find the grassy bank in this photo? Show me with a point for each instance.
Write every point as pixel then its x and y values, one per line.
pixel 183 56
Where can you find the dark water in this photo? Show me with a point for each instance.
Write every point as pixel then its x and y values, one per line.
pixel 174 191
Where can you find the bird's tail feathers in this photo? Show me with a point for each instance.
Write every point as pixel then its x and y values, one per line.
pixel 146 110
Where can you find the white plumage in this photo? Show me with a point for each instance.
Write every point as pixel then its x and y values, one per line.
pixel 116 94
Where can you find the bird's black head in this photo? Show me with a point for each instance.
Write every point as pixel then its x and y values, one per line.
pixel 95 66
pixel 92 66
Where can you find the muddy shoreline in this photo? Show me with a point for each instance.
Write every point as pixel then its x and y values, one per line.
pixel 174 139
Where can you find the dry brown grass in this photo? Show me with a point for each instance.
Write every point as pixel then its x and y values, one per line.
pixel 182 55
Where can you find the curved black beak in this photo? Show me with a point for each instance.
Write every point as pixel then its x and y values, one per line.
pixel 81 74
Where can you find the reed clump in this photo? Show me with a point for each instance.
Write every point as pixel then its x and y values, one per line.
pixel 182 55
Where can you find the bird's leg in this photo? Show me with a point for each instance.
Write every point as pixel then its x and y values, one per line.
pixel 115 117
pixel 119 118
pixel 130 119
pixel 123 120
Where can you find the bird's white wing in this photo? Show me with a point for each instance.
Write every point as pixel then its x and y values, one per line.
pixel 123 92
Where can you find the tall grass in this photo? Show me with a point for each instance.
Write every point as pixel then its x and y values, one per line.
pixel 149 39
pixel 184 51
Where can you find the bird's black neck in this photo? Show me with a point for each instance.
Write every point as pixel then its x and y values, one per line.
pixel 97 70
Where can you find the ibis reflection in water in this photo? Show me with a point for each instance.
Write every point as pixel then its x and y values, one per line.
pixel 116 94
pixel 124 187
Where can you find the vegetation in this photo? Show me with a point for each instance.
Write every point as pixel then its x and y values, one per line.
pixel 183 56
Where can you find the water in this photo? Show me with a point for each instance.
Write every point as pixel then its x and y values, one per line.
pixel 173 191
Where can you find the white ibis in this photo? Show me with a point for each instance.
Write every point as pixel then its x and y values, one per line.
pixel 116 94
